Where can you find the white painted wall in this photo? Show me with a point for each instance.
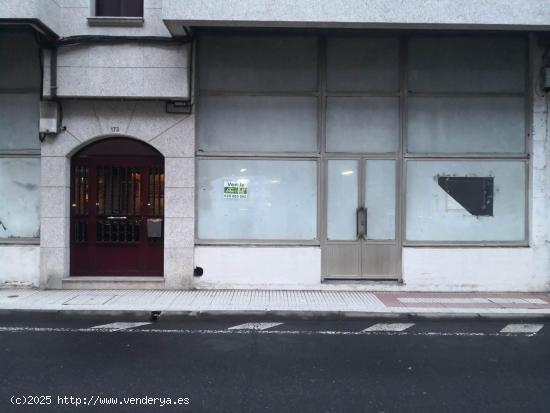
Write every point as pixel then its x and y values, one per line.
pixel 357 13
pixel 253 267
pixel 20 265
pixel 424 269
pixel 475 269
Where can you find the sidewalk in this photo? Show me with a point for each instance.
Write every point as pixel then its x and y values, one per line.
pixel 280 303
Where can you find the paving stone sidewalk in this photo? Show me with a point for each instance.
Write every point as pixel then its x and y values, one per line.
pixel 280 302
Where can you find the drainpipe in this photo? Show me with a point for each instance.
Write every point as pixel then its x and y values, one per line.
pixel 53 73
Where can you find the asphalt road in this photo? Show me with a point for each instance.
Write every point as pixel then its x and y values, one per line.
pixel 296 366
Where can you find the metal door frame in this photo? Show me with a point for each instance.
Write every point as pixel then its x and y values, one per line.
pixel 360 243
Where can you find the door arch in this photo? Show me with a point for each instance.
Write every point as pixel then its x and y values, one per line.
pixel 117 209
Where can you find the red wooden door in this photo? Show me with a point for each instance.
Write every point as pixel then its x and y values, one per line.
pixel 117 212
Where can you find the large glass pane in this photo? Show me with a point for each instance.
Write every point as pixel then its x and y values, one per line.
pixel 465 200
pixel 257 124
pixel 466 125
pixel 20 197
pixel 257 199
pixel 19 118
pixel 366 124
pixel 380 199
pixel 466 64
pixel 19 61
pixel 342 200
pixel 258 63
pixel 362 64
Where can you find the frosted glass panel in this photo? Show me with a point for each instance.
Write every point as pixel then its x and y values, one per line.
pixel 466 64
pixel 362 124
pixel 258 63
pixel 342 200
pixel 436 215
pixel 466 124
pixel 19 197
pixel 19 118
pixel 380 199
pixel 362 64
pixel 257 124
pixel 257 199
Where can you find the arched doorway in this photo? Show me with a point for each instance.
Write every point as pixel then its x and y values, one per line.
pixel 117 209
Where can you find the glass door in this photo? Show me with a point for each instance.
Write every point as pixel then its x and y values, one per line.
pixel 361 221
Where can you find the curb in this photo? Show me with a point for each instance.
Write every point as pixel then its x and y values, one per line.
pixel 183 315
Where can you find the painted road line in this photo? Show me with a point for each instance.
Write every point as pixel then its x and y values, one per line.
pixel 5 329
pixel 118 326
pixel 389 327
pixel 522 328
pixel 254 326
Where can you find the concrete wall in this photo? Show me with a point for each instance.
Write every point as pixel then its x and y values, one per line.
pixel 358 13
pixel 133 70
pixel 74 17
pixel 70 17
pixel 47 11
pixel 86 121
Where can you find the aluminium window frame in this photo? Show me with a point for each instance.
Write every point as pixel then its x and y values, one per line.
pixel 402 156
pixel 488 156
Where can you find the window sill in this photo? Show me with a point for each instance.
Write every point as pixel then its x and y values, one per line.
pixel 116 21
pixel 19 241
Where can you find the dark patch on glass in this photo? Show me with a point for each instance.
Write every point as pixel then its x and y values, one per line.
pixel 475 194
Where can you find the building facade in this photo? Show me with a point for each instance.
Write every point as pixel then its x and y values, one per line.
pixel 376 145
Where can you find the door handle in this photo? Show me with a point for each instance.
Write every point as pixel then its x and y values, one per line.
pixel 365 222
pixel 117 217
pixel 360 222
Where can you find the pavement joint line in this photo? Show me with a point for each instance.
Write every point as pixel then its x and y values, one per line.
pixel 260 332
pixel 254 326
pixel 522 328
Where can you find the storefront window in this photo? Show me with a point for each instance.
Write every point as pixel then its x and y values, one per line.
pixel 466 98
pixel 258 124
pixel 19 121
pixel 20 194
pixel 444 205
pixel 362 124
pixel 19 143
pixel 466 64
pixel 258 63
pixel 361 64
pixel 466 125
pixel 257 199
pixel 441 117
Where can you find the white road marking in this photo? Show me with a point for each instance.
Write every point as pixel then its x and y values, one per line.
pixel 261 332
pixel 389 327
pixel 118 326
pixel 522 328
pixel 254 326
pixel 268 332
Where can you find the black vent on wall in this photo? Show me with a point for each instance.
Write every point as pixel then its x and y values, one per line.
pixel 475 194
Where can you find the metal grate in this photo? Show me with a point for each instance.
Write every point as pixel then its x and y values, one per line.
pixel 80 230
pixel 118 231
pixel 81 188
pixel 156 191
pixel 118 190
